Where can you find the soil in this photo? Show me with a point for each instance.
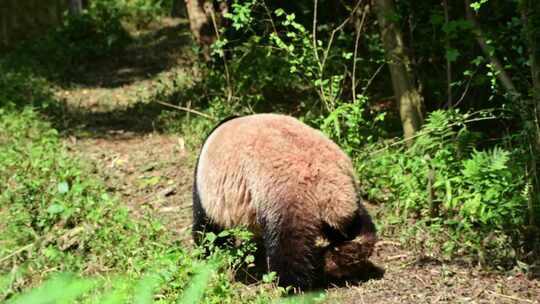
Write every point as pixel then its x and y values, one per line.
pixel 153 171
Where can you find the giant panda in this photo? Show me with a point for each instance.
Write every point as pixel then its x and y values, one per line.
pixel 292 187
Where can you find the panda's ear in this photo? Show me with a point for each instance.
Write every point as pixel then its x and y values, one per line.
pixel 359 224
pixel 334 235
pixel 363 222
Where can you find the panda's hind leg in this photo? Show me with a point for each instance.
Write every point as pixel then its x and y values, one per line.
pixel 289 241
pixel 201 223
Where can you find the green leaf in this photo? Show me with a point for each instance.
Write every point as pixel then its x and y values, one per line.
pixel 291 17
pixel 63 187
pixel 347 55
pixel 269 277
pixel 224 233
pixel 452 54
pixel 61 289
pixel 196 288
pixel 144 293
pixel 55 209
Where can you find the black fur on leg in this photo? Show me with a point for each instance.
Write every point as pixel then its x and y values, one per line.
pixel 290 248
pixel 201 223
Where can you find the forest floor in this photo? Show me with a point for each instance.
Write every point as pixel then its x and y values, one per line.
pixel 153 171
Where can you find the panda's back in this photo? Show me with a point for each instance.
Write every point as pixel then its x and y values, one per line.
pixel 266 162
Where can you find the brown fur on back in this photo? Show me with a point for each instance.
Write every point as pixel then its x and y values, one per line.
pixel 266 162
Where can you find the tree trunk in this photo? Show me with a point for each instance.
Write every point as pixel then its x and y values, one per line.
pixel 200 14
pixel 75 7
pixel 530 12
pixel 504 78
pixel 409 99
pixel 178 10
pixel 4 34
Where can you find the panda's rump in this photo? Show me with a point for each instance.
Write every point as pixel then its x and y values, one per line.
pixel 270 164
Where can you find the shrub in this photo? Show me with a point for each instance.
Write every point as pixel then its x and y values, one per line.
pixel 469 202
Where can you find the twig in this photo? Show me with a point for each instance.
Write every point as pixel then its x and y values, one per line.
pixel 334 32
pixel 14 253
pixel 509 297
pixel 464 92
pixel 314 33
pixel 269 16
pixel 186 110
pixel 396 257
pixel 316 53
pixel 327 51
pixel 426 133
pixel 372 78
pixel 382 243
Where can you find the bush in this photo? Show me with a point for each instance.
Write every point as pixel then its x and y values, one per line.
pixel 470 203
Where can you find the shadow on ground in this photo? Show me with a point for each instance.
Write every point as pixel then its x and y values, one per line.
pixel 152 52
pixel 110 96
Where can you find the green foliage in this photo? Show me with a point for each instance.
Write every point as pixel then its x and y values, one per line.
pixel 65 288
pixel 100 29
pixel 22 87
pixel 268 61
pixel 54 216
pixel 467 201
pixel 476 5
pixel 500 203
pixel 96 31
pixel 349 125
pixel 62 288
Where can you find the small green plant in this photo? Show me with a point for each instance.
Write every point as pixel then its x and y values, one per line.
pixel 349 125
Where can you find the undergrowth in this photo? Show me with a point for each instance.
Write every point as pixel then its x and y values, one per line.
pixel 457 201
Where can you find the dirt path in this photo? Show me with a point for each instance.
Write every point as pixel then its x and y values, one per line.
pixel 152 171
pixel 410 280
pixel 112 124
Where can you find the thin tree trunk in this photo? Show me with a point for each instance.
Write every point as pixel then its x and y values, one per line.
pixel 530 11
pixel 75 7
pixel 200 23
pixel 449 103
pixel 4 35
pixel 409 99
pixel 178 10
pixel 505 80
